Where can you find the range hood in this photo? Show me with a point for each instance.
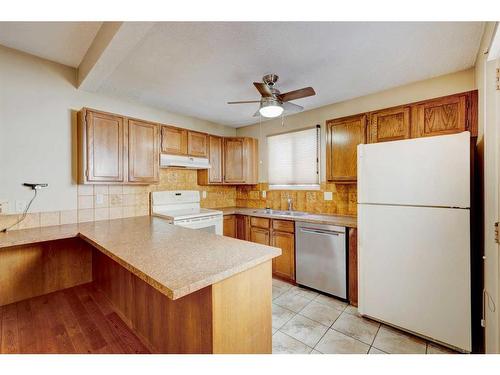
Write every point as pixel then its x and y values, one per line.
pixel 179 161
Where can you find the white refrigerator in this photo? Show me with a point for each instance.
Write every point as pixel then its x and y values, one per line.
pixel 414 236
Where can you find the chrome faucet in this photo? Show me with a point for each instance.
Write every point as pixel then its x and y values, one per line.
pixel 289 200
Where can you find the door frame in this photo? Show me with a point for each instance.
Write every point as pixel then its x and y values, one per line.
pixel 491 207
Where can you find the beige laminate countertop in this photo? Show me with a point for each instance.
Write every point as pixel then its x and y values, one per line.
pixel 174 260
pixel 340 220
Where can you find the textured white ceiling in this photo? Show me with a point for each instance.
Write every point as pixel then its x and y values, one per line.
pixel 194 68
pixel 62 42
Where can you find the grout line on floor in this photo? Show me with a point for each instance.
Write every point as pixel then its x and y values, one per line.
pixel 297 340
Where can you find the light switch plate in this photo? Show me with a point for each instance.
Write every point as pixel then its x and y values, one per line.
pixel 204 194
pixel 328 196
pixel 99 198
pixel 264 193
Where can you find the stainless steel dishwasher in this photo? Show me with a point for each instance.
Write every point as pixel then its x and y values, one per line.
pixel 321 258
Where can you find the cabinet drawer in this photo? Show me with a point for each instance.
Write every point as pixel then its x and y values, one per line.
pixel 284 225
pixel 259 222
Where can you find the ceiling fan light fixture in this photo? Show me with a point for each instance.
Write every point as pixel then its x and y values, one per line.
pixel 270 108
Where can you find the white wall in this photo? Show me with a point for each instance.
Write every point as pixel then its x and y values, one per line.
pixel 38 100
pixel 435 87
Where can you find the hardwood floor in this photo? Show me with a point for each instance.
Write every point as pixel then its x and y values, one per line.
pixel 74 320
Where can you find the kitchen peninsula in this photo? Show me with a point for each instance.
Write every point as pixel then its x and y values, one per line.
pixel 178 290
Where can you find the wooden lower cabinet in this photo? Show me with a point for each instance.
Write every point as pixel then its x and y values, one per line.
pixel 353 266
pixel 229 228
pixel 242 227
pixel 278 233
pixel 260 235
pixel 284 265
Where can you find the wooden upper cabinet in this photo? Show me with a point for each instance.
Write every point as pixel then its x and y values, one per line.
pixel 197 144
pixel 440 116
pixel 143 152
pixel 174 140
pixel 215 150
pixel 101 141
pixel 113 149
pixel 390 124
pixel 213 175
pixel 234 160
pixel 343 136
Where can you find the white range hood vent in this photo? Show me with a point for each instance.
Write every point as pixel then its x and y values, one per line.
pixel 179 161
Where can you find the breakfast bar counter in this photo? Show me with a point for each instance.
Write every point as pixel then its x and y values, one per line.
pixel 180 290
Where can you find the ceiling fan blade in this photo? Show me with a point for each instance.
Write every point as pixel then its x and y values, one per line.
pixel 244 102
pixel 264 89
pixel 297 94
pixel 291 108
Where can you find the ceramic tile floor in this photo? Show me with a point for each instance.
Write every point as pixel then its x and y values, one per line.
pixel 308 322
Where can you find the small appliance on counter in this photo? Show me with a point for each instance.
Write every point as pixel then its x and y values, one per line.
pixel 182 207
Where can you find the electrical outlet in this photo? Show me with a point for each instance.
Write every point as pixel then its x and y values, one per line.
pixel 264 193
pixel 20 206
pixel 328 196
pixel 4 207
pixel 204 194
pixel 99 198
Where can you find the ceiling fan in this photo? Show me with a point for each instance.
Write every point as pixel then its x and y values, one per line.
pixel 272 102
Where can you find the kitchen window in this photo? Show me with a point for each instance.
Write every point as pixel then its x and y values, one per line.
pixel 293 160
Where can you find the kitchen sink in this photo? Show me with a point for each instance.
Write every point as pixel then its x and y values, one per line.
pixel 281 213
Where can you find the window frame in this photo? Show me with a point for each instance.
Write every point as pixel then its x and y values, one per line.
pixel 310 187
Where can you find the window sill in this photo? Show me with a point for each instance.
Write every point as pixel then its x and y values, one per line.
pixel 294 187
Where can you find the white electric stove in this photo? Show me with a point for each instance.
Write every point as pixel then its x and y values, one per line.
pixel 182 207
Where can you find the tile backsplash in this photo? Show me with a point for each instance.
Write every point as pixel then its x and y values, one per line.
pixel 103 202
pixel 344 198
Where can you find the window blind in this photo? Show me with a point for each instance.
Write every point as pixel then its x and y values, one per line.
pixel 293 158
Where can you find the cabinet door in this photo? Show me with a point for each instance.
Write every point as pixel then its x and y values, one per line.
pixel 234 163
pixel 284 265
pixel 242 227
pixel 260 235
pixel 215 145
pixel 104 147
pixel 174 140
pixel 343 137
pixel 389 125
pixel 353 266
pixel 446 115
pixel 229 229
pixel 143 151
pixel 197 144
